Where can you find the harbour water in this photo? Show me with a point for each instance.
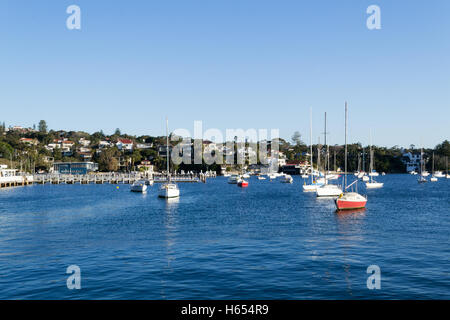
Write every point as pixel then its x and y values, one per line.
pixel 218 241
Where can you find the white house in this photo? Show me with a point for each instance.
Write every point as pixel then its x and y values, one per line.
pixel 124 144
pixel 411 161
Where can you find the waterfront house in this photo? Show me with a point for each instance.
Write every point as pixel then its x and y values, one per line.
pixel 104 144
pixel 411 161
pixel 29 141
pixel 84 142
pixel 74 167
pixel 124 144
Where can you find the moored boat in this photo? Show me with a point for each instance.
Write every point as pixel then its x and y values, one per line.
pixel 169 190
pixel 350 201
pixel 286 179
pixel 233 179
pixel 242 183
pixel 328 190
pixel 374 185
pixel 139 186
pixel 439 174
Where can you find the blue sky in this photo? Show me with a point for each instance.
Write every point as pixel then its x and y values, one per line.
pixel 232 64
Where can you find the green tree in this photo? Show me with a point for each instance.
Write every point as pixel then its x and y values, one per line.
pixel 296 138
pixel 42 126
pixel 6 151
pixel 107 160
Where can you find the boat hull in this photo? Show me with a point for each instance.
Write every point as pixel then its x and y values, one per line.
pixel 328 191
pixel 243 184
pixel 374 185
pixel 168 192
pixel 140 187
pixel 310 187
pixel 350 205
pixel 350 201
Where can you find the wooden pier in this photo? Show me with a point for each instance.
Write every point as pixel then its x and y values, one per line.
pixel 115 178
pixel 13 178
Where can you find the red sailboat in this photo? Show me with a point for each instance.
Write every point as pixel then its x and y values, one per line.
pixel 349 200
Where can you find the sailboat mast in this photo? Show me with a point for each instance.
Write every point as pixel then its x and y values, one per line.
pixel 310 142
pixel 432 168
pixel 167 145
pixel 345 163
pixel 318 156
pixel 421 161
pixel 371 155
pixel 327 164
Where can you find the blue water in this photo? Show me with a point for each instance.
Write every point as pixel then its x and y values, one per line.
pixel 219 241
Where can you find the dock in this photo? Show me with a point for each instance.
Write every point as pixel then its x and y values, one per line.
pixel 115 178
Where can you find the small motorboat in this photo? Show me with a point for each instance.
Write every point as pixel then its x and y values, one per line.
pixel 233 179
pixel 439 174
pixel 272 176
pixel 286 179
pixel 433 179
pixel 242 183
pixel 261 178
pixel 169 190
pixel 365 178
pixel 139 186
pixel 246 176
pixel 422 179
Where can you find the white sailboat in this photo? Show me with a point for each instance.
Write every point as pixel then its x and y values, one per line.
pixel 433 176
pixel 372 184
pixel 422 176
pixel 313 185
pixel 168 189
pixel 447 175
pixel 327 190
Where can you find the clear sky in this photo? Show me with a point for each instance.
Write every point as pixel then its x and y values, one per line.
pixel 232 64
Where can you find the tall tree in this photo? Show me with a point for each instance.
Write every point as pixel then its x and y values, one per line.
pixel 108 160
pixel 42 126
pixel 296 138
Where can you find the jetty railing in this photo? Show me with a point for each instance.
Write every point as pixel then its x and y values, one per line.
pixel 116 178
